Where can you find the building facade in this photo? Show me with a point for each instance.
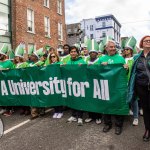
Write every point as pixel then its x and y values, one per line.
pixel 5 22
pixel 37 22
pixel 73 35
pixel 102 26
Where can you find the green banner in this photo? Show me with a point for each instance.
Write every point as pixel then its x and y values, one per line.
pixel 94 88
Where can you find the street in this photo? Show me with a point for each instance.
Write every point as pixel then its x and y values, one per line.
pixel 46 133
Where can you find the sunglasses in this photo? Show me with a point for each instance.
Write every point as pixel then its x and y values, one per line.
pixel 53 56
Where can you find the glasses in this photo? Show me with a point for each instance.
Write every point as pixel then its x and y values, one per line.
pixel 53 56
pixel 127 49
pixel 146 41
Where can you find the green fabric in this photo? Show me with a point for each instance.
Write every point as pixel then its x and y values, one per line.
pixel 65 59
pixel 22 65
pixel 4 49
pixel 115 59
pixel 38 63
pixel 7 64
pixel 130 64
pixel 79 60
pixel 93 88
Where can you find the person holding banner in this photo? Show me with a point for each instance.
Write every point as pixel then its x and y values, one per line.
pixel 58 110
pixel 4 65
pixel 112 58
pixel 35 61
pixel 19 62
pixel 139 83
pixel 77 115
pixel 93 60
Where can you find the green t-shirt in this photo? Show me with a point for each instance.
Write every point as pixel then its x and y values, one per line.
pixel 114 59
pixel 79 60
pixel 7 64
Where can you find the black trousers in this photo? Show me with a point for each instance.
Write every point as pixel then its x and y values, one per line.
pixel 95 115
pixel 58 109
pixel 77 113
pixel 144 95
pixel 119 119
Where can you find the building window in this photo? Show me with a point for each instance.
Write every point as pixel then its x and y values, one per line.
pixel 87 27
pixel 91 27
pixel 30 20
pixel 91 36
pixel 47 26
pixel 46 3
pixel 103 34
pixel 60 31
pixel 59 7
pixel 103 24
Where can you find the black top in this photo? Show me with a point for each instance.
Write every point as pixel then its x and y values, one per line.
pixel 141 76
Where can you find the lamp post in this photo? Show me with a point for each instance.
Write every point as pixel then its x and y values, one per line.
pixel 80 37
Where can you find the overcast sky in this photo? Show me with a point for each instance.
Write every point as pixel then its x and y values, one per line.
pixel 134 15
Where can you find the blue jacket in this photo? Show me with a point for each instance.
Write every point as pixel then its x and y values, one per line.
pixel 131 92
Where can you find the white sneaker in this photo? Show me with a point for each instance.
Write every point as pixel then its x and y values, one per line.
pixel 80 122
pixel 59 115
pixel 55 115
pixel 98 121
pixel 131 112
pixel 88 120
pixel 141 112
pixel 72 119
pixel 2 111
pixel 135 122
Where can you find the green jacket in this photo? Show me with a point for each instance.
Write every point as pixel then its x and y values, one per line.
pixel 22 65
pixel 65 59
pixel 131 92
pixel 79 60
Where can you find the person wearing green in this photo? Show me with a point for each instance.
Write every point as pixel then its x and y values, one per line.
pixel 130 45
pixel 93 60
pixel 35 61
pixel 19 62
pixel 85 50
pixel 5 64
pixel 75 59
pixel 65 56
pixel 112 58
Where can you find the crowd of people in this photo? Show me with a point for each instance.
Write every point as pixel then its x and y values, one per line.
pixel 137 65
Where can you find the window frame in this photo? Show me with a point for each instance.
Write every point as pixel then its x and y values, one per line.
pixel 31 21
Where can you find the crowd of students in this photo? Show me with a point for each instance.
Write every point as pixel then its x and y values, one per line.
pixel 92 53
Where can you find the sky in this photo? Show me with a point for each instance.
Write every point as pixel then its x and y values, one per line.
pixel 134 15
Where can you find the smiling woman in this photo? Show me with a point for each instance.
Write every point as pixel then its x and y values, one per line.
pixel 1 128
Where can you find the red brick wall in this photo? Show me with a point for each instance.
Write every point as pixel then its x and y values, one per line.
pixel 19 23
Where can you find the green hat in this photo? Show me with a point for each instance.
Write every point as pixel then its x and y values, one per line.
pixel 106 39
pixel 83 45
pixel 31 50
pixel 101 47
pixel 11 54
pixel 4 49
pixel 130 43
pixel 123 42
pixel 39 53
pixel 93 46
pixel 47 47
pixel 19 51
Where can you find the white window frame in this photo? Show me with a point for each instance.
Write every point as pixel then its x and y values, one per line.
pixel 60 31
pixel 59 7
pixel 46 3
pixel 31 21
pixel 47 26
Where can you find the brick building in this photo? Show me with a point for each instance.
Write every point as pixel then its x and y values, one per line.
pixel 38 23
